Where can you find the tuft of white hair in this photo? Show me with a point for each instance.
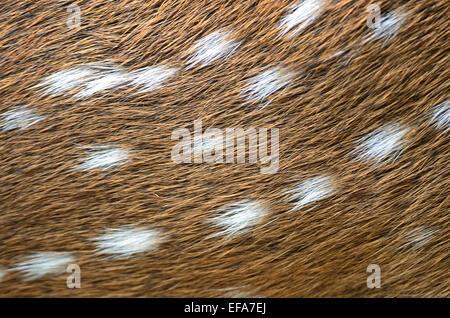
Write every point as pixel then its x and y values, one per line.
pixel 101 81
pixel 239 217
pixel 418 237
pixel 66 80
pixel 440 116
pixel 301 15
pixel 87 79
pixel 19 117
pixel 212 47
pixel 261 86
pixel 43 263
pixel 311 190
pixel 207 143
pixel 126 241
pixel 104 157
pixel 389 27
pixel 382 144
pixel 151 78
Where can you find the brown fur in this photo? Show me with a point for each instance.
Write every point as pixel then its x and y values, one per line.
pixel 45 205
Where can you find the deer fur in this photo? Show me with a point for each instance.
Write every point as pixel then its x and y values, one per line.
pixel 86 175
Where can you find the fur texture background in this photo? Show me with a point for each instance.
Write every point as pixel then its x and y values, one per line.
pixel 341 88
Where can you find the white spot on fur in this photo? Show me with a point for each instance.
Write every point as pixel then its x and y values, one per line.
pixel 89 80
pixel 124 242
pixel 151 78
pixel 104 80
pixel 207 143
pixel 418 237
pixel 440 115
pixel 214 46
pixel 311 190
pixel 389 26
pixel 382 144
pixel 265 84
pixel 301 15
pixel 239 217
pixel 19 117
pixel 104 157
pixel 66 80
pixel 42 263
